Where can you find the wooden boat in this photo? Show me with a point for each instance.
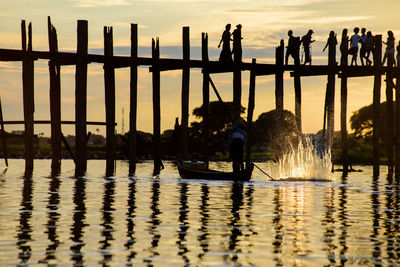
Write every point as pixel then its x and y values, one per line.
pixel 197 173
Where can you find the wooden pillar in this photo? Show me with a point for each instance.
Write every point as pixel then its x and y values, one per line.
pixel 133 99
pixel 55 98
pixel 250 110
pixel 343 103
pixel 279 58
pixel 28 94
pixel 185 93
pixel 376 102
pixel 81 97
pixel 331 90
pixel 237 74
pixel 206 95
pixel 297 97
pixel 397 129
pixel 156 106
pixel 390 117
pixel 109 88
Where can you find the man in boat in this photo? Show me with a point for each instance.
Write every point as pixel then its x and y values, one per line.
pixel 237 145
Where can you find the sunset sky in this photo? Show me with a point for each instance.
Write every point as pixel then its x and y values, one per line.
pixel 264 24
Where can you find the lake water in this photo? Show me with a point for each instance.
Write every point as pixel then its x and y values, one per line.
pixel 60 219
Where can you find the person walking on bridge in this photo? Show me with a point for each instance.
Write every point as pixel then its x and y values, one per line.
pixel 306 40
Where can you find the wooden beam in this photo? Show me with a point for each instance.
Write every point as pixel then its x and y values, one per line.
pixel 376 103
pixel 28 95
pixel 156 107
pixel 55 99
pixel 133 100
pixel 185 93
pixel 390 116
pixel 206 96
pixel 397 130
pixel 332 42
pixel 3 136
pixel 237 73
pixel 250 111
pixel 279 60
pixel 81 97
pixel 109 88
pixel 344 62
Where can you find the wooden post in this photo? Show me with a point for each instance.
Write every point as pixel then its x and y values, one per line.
pixel 376 102
pixel 3 136
pixel 185 92
pixel 55 99
pixel 250 111
pixel 237 73
pixel 109 86
pixel 133 99
pixel 81 97
pixel 206 95
pixel 389 118
pixel 279 58
pixel 397 129
pixel 28 94
pixel 156 106
pixel 331 89
pixel 343 103
pixel 297 96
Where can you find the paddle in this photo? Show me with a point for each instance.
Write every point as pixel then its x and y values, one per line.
pixel 270 177
pixel 220 99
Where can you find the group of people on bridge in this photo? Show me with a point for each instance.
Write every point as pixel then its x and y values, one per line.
pixel 349 46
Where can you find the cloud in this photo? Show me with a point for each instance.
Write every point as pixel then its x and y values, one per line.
pixel 101 3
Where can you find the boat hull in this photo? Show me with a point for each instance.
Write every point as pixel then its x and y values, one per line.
pixel 188 173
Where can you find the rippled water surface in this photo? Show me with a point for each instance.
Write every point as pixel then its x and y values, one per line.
pixel 60 219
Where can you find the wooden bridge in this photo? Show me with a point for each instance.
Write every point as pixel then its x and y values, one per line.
pixel 81 58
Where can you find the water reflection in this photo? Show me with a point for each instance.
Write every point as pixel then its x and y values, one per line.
pixel 278 227
pixel 131 239
pixel 376 218
pixel 352 221
pixel 183 223
pixel 344 222
pixel 108 229
pixel 204 216
pixel 53 216
pixel 24 230
pixel 154 222
pixel 79 221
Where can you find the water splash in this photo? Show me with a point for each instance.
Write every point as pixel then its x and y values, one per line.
pixel 306 161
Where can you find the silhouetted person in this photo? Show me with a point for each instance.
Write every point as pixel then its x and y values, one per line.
pixel 237 145
pixel 363 49
pixel 306 40
pixel 389 52
pixel 369 47
pixel 292 49
pixel 226 45
pixel 398 54
pixel 331 40
pixel 354 40
pixel 237 43
pixel 344 46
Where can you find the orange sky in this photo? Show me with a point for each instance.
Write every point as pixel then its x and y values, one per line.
pixel 264 24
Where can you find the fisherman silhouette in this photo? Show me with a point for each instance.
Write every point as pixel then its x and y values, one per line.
pixel 292 48
pixel 237 43
pixel 306 40
pixel 226 45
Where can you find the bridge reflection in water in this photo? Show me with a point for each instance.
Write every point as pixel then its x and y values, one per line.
pixel 89 220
